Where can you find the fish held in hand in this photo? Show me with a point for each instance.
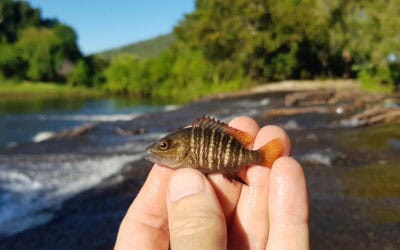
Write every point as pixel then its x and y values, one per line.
pixel 212 147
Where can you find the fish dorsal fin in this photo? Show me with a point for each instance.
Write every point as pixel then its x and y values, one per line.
pixel 211 123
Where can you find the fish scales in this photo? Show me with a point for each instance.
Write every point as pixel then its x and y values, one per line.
pixel 208 155
pixel 197 148
pixel 219 150
pixel 212 147
pixel 215 150
pixel 207 149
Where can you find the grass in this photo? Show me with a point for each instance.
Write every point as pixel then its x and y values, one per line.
pixel 30 90
pixel 372 84
pixel 377 88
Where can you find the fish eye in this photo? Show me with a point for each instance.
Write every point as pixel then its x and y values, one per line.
pixel 163 145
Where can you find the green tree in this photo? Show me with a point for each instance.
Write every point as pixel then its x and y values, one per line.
pixel 80 75
pixel 11 62
pixel 120 74
pixel 14 16
pixel 37 45
pixel 32 47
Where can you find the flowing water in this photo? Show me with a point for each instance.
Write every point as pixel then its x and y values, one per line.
pixel 33 120
pixel 30 187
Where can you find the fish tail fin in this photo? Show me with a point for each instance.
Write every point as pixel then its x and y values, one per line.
pixel 270 152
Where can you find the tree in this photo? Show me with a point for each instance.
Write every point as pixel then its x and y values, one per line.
pixel 80 74
pixel 120 74
pixel 37 45
pixel 14 16
pixel 35 48
pixel 11 62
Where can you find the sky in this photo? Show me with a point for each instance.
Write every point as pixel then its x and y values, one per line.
pixel 106 24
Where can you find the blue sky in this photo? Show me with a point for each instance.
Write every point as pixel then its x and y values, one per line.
pixel 105 24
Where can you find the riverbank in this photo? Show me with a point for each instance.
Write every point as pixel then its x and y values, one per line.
pixel 39 90
pixel 350 169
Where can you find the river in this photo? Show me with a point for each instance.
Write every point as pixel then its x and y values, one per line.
pixel 29 187
pixel 75 190
pixel 33 120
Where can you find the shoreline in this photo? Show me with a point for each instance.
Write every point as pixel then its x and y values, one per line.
pixel 40 90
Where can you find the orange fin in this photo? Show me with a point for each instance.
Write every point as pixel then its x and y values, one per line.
pixel 208 122
pixel 270 152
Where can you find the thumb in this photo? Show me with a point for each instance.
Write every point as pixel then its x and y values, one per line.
pixel 195 217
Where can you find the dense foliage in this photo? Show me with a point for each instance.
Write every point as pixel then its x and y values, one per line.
pixel 223 45
pixel 37 49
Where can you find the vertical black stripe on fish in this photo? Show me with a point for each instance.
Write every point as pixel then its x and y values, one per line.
pixel 253 157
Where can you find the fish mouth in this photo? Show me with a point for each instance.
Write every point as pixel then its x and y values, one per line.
pixel 150 156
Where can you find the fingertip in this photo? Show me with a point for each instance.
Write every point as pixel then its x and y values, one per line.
pixel 270 132
pixel 289 199
pixel 185 182
pixel 195 217
pixel 246 124
pixel 288 206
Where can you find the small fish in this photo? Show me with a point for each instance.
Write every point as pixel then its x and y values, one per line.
pixel 212 147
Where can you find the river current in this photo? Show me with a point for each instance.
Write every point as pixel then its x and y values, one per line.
pixel 31 188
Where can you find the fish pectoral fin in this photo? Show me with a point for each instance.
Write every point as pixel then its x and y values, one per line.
pixel 211 123
pixel 239 177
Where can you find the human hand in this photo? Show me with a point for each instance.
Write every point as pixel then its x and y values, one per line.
pixel 190 211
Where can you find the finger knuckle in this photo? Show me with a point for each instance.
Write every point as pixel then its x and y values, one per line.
pixel 198 222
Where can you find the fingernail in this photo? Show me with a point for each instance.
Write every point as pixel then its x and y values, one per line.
pixel 185 182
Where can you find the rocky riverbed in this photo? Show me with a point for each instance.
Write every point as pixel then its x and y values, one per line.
pixel 350 157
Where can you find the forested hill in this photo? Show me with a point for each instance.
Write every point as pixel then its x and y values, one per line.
pixel 143 49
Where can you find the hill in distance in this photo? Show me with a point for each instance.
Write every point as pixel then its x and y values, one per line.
pixel 143 49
